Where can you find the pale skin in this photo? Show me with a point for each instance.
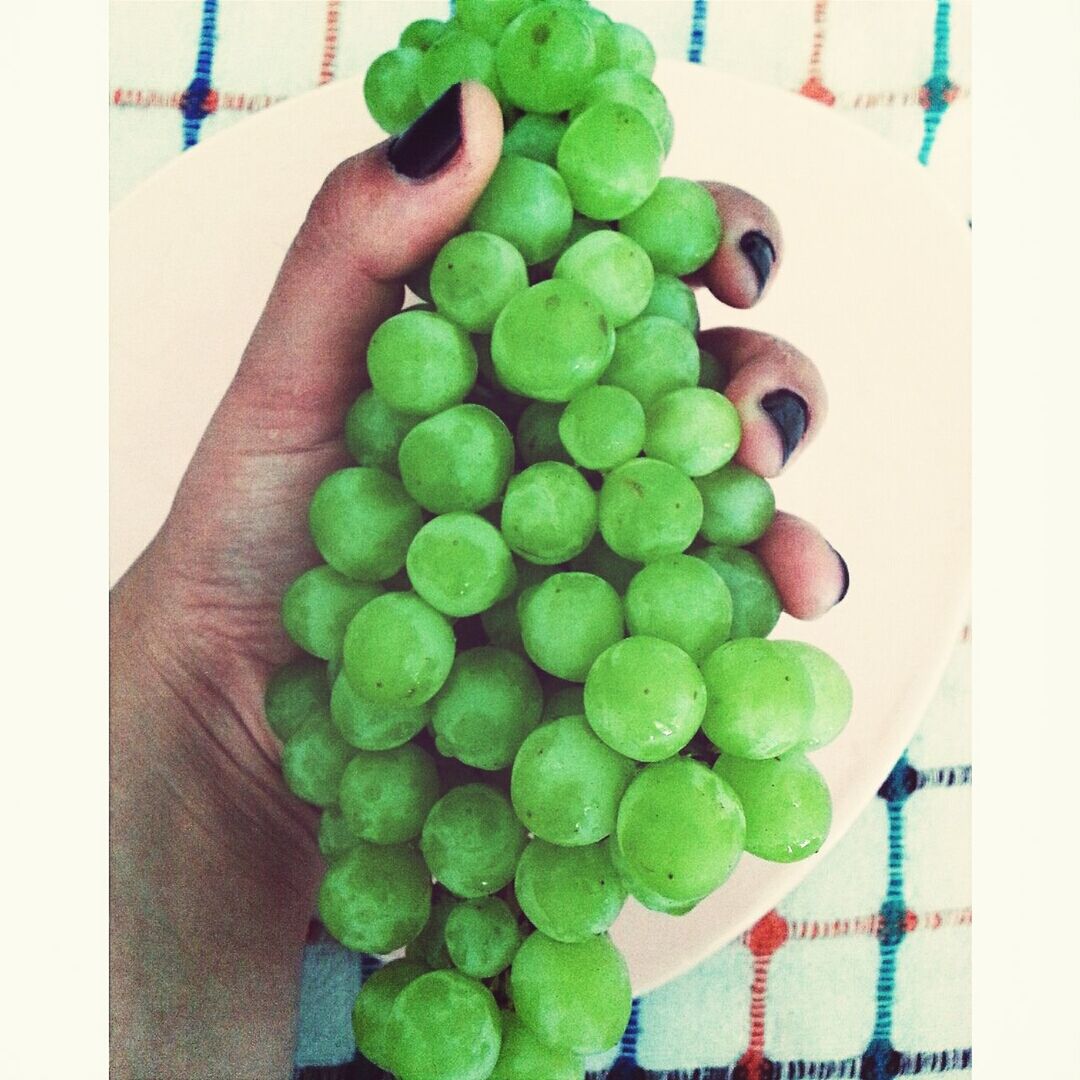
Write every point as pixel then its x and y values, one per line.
pixel 214 865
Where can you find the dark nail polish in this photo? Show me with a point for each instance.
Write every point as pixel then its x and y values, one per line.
pixel 845 572
pixel 761 255
pixel 789 415
pixel 431 140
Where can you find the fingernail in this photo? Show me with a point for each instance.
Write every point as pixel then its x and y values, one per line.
pixel 761 255
pixel 845 574
pixel 431 140
pixel 790 417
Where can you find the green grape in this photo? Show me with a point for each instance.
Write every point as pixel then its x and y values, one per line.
pixel 694 429
pixel 653 355
pixel 421 363
pixel 313 760
pixel 714 373
pixel 421 34
pixel 580 227
pixel 568 893
pixel 369 726
pixel 376 897
pixel 373 431
pixel 333 670
pixel 680 830
pixel 645 698
pixel 318 607
pixel 682 600
pixel 537 435
pixel 482 936
pixel 637 91
pixel 489 18
pixel 674 299
pixel 678 226
pixel 527 204
pixel 633 50
pixel 456 56
pixel 568 700
pixel 614 269
pixel 549 513
pixel 460 564
pixel 489 704
pixel 832 693
pixel 607 49
pixel 569 621
pixel 398 650
pixel 474 276
pixel 610 158
pixel 566 784
pixel 362 521
pixel 535 136
pixel 472 841
pixel 459 459
pixel 739 506
pixel 373 1004
pixel 761 700
pixel 786 801
pixel 294 694
pixel 551 341
pixel 429 946
pixel 640 891
pixel 603 427
pixel 385 795
pixel 546 58
pixel 572 996
pixel 391 89
pixel 525 1057
pixel 649 509
pixel 600 560
pixel 335 836
pixel 444 1025
pixel 754 600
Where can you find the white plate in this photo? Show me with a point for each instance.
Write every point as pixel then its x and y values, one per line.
pixel 875 287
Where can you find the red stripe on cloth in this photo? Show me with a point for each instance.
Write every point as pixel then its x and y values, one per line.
pixel 763 939
pixel 814 87
pixel 330 40
pixel 127 97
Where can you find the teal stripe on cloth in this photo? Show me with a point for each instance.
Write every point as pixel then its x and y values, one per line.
pixel 938 85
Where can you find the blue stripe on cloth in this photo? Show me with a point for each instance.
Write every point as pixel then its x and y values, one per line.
pixel 626 1066
pixel 698 19
pixel 193 102
pixel 938 83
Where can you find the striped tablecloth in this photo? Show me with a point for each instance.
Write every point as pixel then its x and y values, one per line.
pixel 864 970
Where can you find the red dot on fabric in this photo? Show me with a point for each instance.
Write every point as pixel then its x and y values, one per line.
pixel 814 88
pixel 210 102
pixel 768 934
pixel 911 921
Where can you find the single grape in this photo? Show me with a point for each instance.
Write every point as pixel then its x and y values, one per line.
pixel 444 1025
pixel 527 204
pixel 652 356
pixel 421 34
pixel 488 705
pixel 335 836
pixel 318 607
pixel 369 726
pixel 600 560
pixel 569 893
pixel 456 56
pixel 636 887
pixel 786 801
pixel 294 694
pixel 385 795
pixel 537 435
pixel 610 158
pixel 572 996
pixel 421 363
pixel 603 427
pixel 472 840
pixel 614 269
pixel 546 58
pixel 362 521
pixel 535 136
pixel 633 50
pixel 682 600
pixel 373 1004
pixel 568 700
pixel 832 693
pixel 474 276
pixel 525 1057
pixel 607 53
pixel 739 506
pixel 755 602
pixel 645 698
pixel 482 936
pixel 761 700
pixel 715 373
pixel 694 429
pixel 678 226
pixel 391 89
pixel 429 946
pixel 649 509
pixel 674 299
pixel 552 341
pixel 373 431
pixel 549 513
pixel 488 18
pixel 376 897
pixel 637 91
pixel 566 784
pixel 569 621
pixel 398 650
pixel 313 760
pixel 681 829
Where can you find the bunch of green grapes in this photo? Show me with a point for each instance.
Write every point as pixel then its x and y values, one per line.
pixel 539 678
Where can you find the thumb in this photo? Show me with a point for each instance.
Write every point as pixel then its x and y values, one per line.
pixel 378 216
